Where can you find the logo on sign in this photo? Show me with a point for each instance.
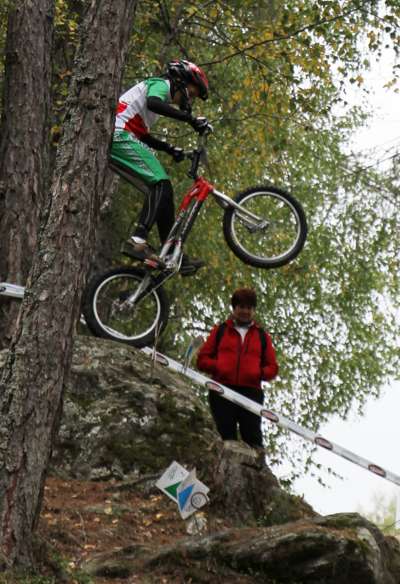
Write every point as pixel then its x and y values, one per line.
pixel 198 500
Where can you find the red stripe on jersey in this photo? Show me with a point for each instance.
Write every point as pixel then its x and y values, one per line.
pixel 137 126
pixel 121 107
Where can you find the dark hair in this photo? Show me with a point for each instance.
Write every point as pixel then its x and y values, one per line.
pixel 244 297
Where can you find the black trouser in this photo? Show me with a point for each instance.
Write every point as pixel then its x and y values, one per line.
pixel 158 206
pixel 228 415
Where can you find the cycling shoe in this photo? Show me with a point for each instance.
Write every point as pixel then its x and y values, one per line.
pixel 142 252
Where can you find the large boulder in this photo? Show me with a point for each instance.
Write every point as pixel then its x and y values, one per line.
pixel 338 549
pixel 246 490
pixel 128 419
pixel 124 418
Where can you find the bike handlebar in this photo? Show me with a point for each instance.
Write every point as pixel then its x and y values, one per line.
pixel 196 154
pixel 201 142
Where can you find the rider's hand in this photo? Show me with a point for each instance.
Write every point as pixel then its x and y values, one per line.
pixel 200 124
pixel 177 154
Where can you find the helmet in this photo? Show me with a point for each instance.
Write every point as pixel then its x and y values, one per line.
pixel 183 72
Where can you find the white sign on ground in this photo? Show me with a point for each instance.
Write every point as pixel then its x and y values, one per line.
pixel 169 482
pixel 184 488
pixel 192 494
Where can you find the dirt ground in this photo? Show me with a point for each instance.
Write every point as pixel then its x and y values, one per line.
pixel 82 519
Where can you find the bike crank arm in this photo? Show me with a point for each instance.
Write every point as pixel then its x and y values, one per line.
pixel 253 221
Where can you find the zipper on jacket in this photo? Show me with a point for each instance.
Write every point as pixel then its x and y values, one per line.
pixel 243 345
pixel 239 355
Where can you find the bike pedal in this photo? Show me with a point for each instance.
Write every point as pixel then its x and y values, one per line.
pixel 185 272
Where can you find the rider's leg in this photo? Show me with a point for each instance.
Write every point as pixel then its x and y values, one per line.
pixel 141 161
pixel 158 207
pixel 166 212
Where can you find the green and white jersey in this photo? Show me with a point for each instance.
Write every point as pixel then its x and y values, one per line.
pixel 133 114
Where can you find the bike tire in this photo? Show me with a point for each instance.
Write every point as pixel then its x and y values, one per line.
pixel 136 326
pixel 283 238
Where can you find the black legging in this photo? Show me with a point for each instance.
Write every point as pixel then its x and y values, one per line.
pixel 228 416
pixel 158 206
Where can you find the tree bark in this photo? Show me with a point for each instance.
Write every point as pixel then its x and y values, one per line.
pixel 38 363
pixel 24 143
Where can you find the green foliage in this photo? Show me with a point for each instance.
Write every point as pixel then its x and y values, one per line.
pixel 66 23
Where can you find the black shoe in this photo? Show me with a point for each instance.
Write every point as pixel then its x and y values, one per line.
pixel 189 266
pixel 142 252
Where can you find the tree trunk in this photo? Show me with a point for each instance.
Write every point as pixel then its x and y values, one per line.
pixel 24 143
pixel 38 363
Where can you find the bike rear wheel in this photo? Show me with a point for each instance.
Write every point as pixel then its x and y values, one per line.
pixel 273 241
pixel 109 314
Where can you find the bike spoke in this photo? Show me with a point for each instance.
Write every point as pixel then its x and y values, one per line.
pixel 118 316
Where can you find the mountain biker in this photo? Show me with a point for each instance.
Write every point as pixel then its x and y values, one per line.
pixel 133 148
pixel 240 358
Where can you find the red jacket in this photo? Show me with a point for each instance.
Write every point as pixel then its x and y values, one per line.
pixel 238 362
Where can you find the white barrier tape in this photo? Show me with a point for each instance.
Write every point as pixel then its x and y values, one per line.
pixel 273 416
pixel 16 291
pixel 12 290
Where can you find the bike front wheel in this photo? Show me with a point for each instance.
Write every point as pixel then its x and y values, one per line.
pixel 274 233
pixel 111 313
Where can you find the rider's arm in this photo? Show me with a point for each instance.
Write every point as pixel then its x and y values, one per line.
pixel 158 106
pixel 156 143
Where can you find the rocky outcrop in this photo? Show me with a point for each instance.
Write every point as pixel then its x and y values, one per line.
pixel 124 419
pixel 338 549
pixel 127 420
pixel 246 490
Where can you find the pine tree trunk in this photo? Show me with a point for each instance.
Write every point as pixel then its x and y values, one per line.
pixel 24 143
pixel 38 363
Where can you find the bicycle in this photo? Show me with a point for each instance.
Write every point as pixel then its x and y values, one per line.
pixel 264 226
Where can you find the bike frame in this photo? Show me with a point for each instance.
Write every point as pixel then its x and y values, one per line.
pixel 172 250
pixel 187 213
